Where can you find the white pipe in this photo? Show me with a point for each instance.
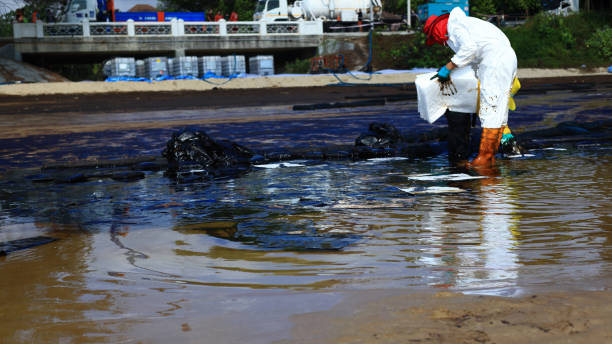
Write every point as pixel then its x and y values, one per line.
pixel 408 16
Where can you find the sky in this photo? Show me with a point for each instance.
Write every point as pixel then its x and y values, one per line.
pixel 122 5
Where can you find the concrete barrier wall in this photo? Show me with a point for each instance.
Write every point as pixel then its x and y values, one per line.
pixel 172 28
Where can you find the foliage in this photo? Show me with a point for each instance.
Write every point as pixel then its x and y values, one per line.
pixel 407 53
pixel 482 7
pixel 517 6
pixel 79 72
pixel 187 5
pixel 476 6
pixel 299 66
pixel 399 6
pixel 556 41
pixel 601 42
pixel 6 26
pixel 244 8
pixel 47 10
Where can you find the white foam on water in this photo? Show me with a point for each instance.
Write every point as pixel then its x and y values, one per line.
pixel 394 158
pixel 521 156
pixel 549 148
pixel 279 165
pixel 443 177
pixel 432 190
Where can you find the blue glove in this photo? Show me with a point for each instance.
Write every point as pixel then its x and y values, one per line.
pixel 443 74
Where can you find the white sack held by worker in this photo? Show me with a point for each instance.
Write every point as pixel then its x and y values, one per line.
pixel 433 100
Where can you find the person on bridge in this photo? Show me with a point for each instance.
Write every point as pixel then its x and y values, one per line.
pixel 485 47
pixel 233 16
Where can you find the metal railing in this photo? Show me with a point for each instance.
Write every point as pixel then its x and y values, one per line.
pixel 170 28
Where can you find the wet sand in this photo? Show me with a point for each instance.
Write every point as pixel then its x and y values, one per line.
pixel 373 316
pixel 554 317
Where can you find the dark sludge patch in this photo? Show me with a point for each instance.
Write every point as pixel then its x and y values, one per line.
pixel 300 241
pixel 127 176
pixel 321 106
pixel 568 132
pixel 22 244
pixel 192 156
pixel 72 178
pixel 108 163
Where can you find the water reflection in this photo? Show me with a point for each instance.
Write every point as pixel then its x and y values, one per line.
pixel 341 221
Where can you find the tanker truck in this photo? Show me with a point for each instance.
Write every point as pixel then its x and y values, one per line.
pixel 337 11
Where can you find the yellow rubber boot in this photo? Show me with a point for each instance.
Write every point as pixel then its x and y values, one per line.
pixel 489 142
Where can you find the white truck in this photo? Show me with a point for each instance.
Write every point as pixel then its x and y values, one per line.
pixel 340 11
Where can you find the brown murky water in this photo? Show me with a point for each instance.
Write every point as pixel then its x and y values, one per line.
pixel 230 261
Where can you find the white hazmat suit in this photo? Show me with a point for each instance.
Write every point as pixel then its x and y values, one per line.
pixel 483 46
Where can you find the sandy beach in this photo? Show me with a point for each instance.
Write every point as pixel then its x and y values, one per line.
pixel 293 81
pixel 554 317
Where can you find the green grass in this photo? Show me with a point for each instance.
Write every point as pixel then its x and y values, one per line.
pixel 299 66
pixel 545 41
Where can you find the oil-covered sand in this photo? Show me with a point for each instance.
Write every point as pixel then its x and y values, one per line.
pixel 132 262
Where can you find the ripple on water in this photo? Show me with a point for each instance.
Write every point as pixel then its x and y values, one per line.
pixel 341 225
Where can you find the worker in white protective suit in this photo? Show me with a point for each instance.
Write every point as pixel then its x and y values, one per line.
pixel 483 46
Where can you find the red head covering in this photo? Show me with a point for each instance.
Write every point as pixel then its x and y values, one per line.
pixel 435 29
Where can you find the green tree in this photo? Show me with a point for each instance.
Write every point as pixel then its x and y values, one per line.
pixel 187 5
pixel 482 7
pixel 245 9
pixel 399 6
pixel 518 6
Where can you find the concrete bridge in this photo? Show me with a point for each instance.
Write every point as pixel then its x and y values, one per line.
pixel 95 40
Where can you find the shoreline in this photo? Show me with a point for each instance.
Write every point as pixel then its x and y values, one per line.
pixel 377 316
pixel 268 82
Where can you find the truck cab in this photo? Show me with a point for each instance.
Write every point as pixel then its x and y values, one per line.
pixel 81 10
pixel 271 10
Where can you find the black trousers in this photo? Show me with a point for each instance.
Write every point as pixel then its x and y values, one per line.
pixel 459 130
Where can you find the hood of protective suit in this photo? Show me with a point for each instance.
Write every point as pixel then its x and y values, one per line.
pixel 435 29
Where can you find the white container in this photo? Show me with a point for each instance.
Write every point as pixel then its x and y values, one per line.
pixel 261 65
pixel 120 67
pixel 140 68
pixel 156 67
pixel 233 65
pixel 210 65
pixel 433 103
pixel 184 66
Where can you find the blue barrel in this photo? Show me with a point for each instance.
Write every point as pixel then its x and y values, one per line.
pixel 186 16
pixel 136 16
pixel 441 7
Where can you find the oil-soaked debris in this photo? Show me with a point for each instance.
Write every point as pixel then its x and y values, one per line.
pixel 379 135
pixel 193 155
pixel 511 147
pixel 22 244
